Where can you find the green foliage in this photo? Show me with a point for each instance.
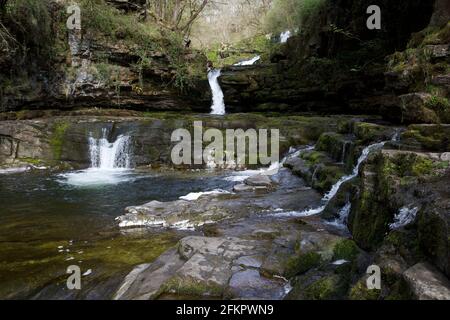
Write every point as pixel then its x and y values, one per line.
pixel 29 29
pixel 291 14
pixel 360 292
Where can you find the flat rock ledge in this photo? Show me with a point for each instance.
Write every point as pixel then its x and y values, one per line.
pixel 205 267
pixel 180 214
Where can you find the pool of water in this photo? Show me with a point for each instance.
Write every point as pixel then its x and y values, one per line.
pixel 49 221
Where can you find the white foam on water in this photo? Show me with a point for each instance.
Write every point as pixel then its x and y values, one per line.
pixel 14 170
pixel 341 221
pixel 218 105
pixel 88 272
pixel 339 262
pixel 22 169
pixel 193 196
pixel 96 177
pixel 304 213
pixel 404 217
pixel 240 176
pixel 249 62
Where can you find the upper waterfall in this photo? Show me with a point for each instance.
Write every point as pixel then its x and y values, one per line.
pixel 218 104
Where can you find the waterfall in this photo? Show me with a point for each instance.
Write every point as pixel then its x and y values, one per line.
pixel 341 221
pixel 106 155
pixel 335 188
pixel 218 106
pixel 110 163
pixel 248 62
pixel 404 217
pixel 284 36
pixel 365 153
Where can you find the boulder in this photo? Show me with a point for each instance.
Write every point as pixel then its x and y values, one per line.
pixel 427 283
pixel 259 180
pixel 415 110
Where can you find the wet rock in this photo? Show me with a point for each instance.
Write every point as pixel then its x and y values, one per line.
pixel 244 188
pixel 249 284
pixel 259 180
pixel 438 51
pixel 415 110
pixel 178 214
pixel 204 267
pixel 427 283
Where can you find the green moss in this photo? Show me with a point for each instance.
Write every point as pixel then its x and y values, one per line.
pixel 332 143
pixel 300 263
pixel 368 132
pixel 186 286
pixel 32 161
pixel 326 176
pixel 57 138
pixel 324 289
pixel 345 249
pixel 360 292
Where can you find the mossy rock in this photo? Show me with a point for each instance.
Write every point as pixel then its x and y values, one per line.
pixel 188 287
pixel 327 288
pixel 360 292
pixel 428 137
pixel 301 263
pixel 346 249
pixel 370 132
pixel 332 143
pixel 326 176
pixel 57 138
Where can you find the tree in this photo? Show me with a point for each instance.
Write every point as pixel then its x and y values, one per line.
pixel 175 15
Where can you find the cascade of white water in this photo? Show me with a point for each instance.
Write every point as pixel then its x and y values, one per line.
pixel 341 221
pixel 218 105
pixel 335 188
pixel 248 62
pixel 106 155
pixel 404 217
pixel 284 36
pixel 365 153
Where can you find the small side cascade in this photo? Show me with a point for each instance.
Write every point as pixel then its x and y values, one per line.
pixel 249 62
pixel 335 188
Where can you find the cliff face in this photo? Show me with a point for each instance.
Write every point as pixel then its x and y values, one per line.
pixel 335 64
pixel 115 60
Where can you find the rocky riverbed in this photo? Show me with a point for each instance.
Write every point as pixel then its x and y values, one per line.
pixel 239 234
